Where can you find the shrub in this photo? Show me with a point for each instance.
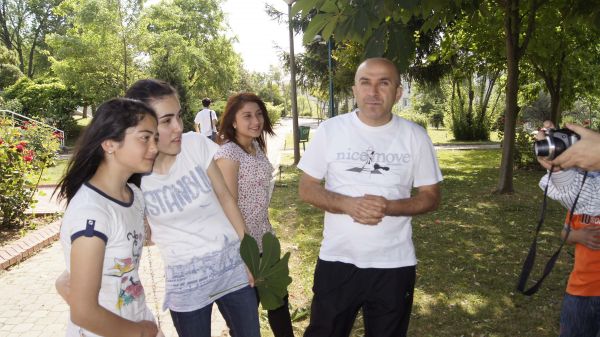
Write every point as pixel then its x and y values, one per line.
pixel 274 112
pixel 25 151
pixel 524 155
pixel 421 120
pixel 13 105
pixel 9 74
pixel 46 99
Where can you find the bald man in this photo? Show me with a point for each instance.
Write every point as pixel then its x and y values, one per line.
pixel 370 160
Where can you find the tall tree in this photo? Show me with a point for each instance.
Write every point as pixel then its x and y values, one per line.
pixel 98 53
pixel 193 34
pixel 24 25
pixel 565 64
pixel 519 26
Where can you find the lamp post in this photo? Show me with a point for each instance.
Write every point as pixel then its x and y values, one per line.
pixel 296 130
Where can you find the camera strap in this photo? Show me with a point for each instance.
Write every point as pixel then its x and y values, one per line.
pixel 530 259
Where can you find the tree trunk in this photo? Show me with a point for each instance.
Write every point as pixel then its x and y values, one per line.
pixel 511 29
pixel 555 107
pixel 124 42
pixel 555 113
pixel 3 21
pixel 470 108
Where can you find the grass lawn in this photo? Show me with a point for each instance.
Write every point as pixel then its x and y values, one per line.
pixel 52 175
pixel 470 252
pixel 438 136
pixel 444 136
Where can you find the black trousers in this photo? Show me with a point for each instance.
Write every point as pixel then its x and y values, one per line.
pixel 279 319
pixel 341 289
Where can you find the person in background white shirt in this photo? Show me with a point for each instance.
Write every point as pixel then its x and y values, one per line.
pixel 206 120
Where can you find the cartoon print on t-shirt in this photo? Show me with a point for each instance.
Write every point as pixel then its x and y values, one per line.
pixel 369 166
pixel 130 288
pixel 129 292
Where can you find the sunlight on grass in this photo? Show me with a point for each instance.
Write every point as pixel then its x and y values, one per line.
pixel 444 136
pixel 83 121
pixel 52 175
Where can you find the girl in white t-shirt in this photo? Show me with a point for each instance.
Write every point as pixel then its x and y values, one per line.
pixel 196 224
pixel 102 232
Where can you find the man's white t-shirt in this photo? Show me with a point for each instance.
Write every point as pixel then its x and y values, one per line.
pixel 203 117
pixel 356 159
pixel 199 246
pixel 121 226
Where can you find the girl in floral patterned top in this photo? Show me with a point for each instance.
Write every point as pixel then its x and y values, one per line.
pixel 247 172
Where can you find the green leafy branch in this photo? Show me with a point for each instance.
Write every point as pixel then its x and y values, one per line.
pixel 271 272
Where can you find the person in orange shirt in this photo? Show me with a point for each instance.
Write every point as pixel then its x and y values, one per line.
pixel 580 312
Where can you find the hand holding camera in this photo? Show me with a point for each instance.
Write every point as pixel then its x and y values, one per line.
pixel 551 143
pixel 585 154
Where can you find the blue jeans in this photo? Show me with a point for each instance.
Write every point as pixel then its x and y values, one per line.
pixel 580 316
pixel 239 309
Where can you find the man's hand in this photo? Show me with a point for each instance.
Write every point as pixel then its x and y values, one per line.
pixel 585 154
pixel 366 210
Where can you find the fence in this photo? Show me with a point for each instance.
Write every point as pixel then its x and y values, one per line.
pixel 15 117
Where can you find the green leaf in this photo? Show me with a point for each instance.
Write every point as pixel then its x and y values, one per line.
pixel 250 254
pixel 304 6
pixel 273 286
pixel 316 26
pixel 271 273
pixel 328 29
pixel 376 45
pixel 271 252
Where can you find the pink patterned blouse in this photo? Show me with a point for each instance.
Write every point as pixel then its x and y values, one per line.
pixel 254 179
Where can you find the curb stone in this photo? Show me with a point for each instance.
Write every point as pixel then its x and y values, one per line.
pixel 28 245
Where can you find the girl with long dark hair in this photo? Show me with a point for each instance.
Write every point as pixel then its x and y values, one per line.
pixel 102 232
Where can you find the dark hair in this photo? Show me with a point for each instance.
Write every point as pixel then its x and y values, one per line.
pixel 206 102
pixel 234 104
pixel 150 89
pixel 111 120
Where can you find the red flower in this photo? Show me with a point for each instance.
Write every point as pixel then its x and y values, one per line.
pixel 27 158
pixel 57 134
pixel 20 147
pixel 1 141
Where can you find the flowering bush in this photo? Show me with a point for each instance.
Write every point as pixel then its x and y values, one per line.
pixel 25 151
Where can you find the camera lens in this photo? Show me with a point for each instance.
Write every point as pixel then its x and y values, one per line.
pixel 560 146
pixel 542 148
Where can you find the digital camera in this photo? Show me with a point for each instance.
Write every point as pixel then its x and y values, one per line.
pixel 555 143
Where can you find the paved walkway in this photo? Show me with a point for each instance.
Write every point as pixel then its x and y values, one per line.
pixel 29 305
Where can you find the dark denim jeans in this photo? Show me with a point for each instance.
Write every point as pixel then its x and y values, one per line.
pixel 580 316
pixel 239 309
